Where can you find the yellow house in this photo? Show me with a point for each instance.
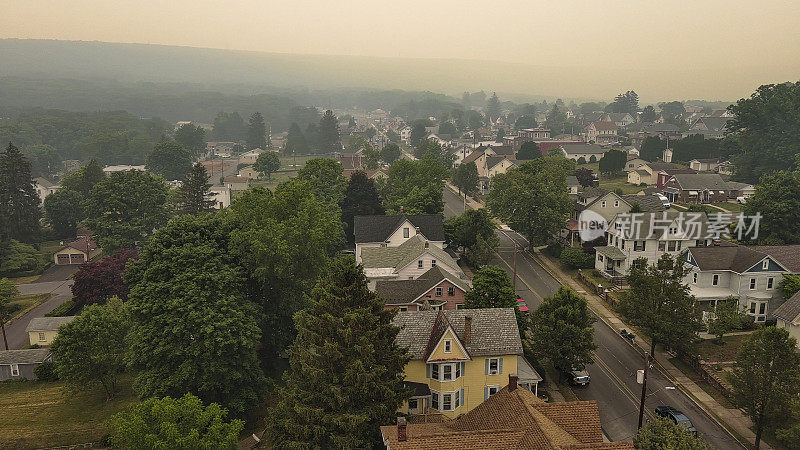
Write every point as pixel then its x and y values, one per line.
pixel 459 358
pixel 43 330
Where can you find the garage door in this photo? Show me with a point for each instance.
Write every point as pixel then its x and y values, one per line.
pixel 76 259
pixel 62 259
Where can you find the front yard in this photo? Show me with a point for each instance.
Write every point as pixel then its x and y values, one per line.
pixel 621 183
pixel 40 414
pixel 712 352
pixel 25 303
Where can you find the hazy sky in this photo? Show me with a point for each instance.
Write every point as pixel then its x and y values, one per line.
pixel 739 42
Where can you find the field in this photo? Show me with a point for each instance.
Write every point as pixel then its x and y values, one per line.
pixel 40 414
pixel 619 183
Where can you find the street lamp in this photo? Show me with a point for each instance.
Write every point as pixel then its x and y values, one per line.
pixel 641 378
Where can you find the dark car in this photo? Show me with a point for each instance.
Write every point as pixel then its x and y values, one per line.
pixel 676 416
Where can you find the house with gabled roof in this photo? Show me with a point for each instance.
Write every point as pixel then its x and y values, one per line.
pixel 745 273
pixel 79 251
pixel 601 132
pixel 435 289
pixel 463 356
pixel 43 330
pixel 512 418
pixel 712 127
pixel 44 187
pixel 787 316
pixel 589 152
pixel 607 204
pixel 696 188
pixel 21 364
pixel 393 230
pixel 407 261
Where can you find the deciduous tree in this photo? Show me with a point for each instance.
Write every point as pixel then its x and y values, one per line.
pixel 360 199
pixel 390 152
pixel 326 179
pixel 8 290
pixel 766 377
pixel 529 150
pixel 663 433
pixel 192 137
pixel 267 162
pixel 428 149
pixel 170 160
pixel 561 330
pixel 346 376
pixel 464 231
pixel 789 285
pixel 64 210
pixel 465 178
pixel 613 161
pixel 415 187
pixel 83 180
pixel 97 281
pixel 585 176
pixel 777 199
pixel 729 317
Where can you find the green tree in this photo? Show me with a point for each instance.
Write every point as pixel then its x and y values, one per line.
pixel 326 178
pixel 648 114
pixel 229 127
pixel 64 210
pixel 192 328
pixel 529 150
pixel 90 350
pixel 346 376
pixel 525 121
pixel 182 423
pixel 195 191
pixel 532 198
pixel 729 317
pixel 45 160
pixel 652 148
pixel 789 285
pixel 556 120
pixel 663 433
pixel 284 241
pixel 418 132
pixel 18 259
pixel 415 187
pixel 267 162
pixel 766 377
pixel 613 161
pixel 627 102
pixel 428 149
pixel 124 208
pixel 491 288
pixel 777 199
pixel 170 160
pixel 482 251
pixel 296 143
pixel 390 153
pixel 473 231
pixel 766 127
pixel 659 303
pixel 585 176
pixel 192 138
pixel 360 199
pixel 83 180
pixel 448 129
pixel 493 106
pixel 8 290
pixel 329 138
pixel 465 178
pixel 561 330
pixel 19 201
pixel 256 132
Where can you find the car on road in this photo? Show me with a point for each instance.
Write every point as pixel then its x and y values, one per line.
pixel 627 334
pixel 522 305
pixel 578 377
pixel 676 416
pixel 664 200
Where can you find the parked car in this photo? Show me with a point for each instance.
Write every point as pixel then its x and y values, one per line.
pixel 578 377
pixel 676 416
pixel 741 200
pixel 522 305
pixel 664 200
pixel 627 334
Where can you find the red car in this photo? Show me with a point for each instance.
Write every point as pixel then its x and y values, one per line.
pixel 522 305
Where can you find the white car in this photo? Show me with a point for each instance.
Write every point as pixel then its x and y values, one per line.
pixel 741 200
pixel 664 200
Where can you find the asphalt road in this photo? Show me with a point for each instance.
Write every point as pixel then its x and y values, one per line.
pixel 613 373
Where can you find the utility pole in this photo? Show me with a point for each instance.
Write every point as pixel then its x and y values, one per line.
pixel 644 388
pixel 515 267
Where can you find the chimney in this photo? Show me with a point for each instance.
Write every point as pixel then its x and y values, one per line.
pixel 416 229
pixel 512 382
pixel 402 434
pixel 467 329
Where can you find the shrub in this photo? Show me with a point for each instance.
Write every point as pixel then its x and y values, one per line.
pixel 554 249
pixel 581 160
pixel 46 371
pixel 18 259
pixel 576 258
pixel 63 309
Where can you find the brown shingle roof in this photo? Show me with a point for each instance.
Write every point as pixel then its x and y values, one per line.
pixel 790 309
pixel 402 292
pixel 605 125
pixel 378 228
pixel 735 258
pixel 787 255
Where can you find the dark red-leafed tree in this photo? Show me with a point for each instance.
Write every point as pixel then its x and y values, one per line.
pixel 98 281
pixel 585 176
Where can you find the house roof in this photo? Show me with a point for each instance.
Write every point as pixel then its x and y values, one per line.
pixel 589 149
pixel 610 251
pixel 648 203
pixel 235 179
pixel 653 225
pixel 26 356
pixel 473 156
pixel 572 180
pixel 494 331
pixel 605 125
pixel 44 182
pixel 737 186
pixel 665 166
pixel 592 192
pixel 503 150
pixel 789 310
pixel 707 160
pixel 617 117
pixel 700 181
pixel 787 255
pixel 736 258
pixel 402 255
pixel 379 228
pixel 417 389
pixel 403 292
pixel 83 243
pixel 714 123
pixel 511 420
pixel 492 161
pixel 47 323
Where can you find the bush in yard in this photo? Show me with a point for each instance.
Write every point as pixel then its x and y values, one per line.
pixel 575 258
pixel 553 249
pixel 46 371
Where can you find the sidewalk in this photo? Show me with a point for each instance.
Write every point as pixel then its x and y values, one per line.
pixel 733 418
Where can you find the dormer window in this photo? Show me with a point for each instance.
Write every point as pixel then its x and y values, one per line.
pixel 448 346
pixel 765 265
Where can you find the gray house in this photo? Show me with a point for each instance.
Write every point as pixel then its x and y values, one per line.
pixel 19 364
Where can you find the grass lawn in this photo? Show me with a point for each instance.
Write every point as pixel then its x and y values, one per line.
pixel 25 303
pixel 275 179
pixel 594 167
pixel 730 206
pixel 287 162
pixel 619 183
pixel 712 352
pixel 40 414
pixel 694 376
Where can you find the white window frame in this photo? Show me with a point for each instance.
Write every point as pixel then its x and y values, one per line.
pixel 14 370
pixel 448 346
pixel 42 336
pixel 451 291
pixel 694 278
pixel 433 263
pixel 603 204
pixel 753 284
pixel 406 232
pixel 616 203
pixel 420 264
pixel 447 397
pixel 435 372
pixel 490 388
pixel 447 369
pixel 403 308
pixel 435 400
pixel 770 283
pixel 497 366
pixel 765 264
pixel 439 291
pixel 715 279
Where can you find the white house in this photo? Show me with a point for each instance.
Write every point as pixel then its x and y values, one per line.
pixel 44 188
pixel 250 157
pixel 121 168
pixel 787 316
pixel 407 261
pixel 221 196
pixel 78 251
pixel 394 230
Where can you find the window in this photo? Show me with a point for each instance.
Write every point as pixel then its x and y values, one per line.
pixel 435 371
pixel 15 370
pixel 603 204
pixel 447 402
pixel 41 337
pixel 494 366
pixel 616 203
pixel 694 278
pixel 458 370
pixel 752 283
pixel 451 291
pixel 600 258
pixel 752 307
pixel 623 244
pixel 419 264
pixel 412 403
pixel 403 308
pixel 433 263
pixel 457 396
pixel 448 346
pixel 715 280
pixel 662 246
pixel 770 282
pixel 762 308
pixel 679 245
pixel 438 292
pixel 671 246
pixel 434 399
pixel 405 232
pixel 765 264
pixel 460 306
pixel 447 372
pixel 492 390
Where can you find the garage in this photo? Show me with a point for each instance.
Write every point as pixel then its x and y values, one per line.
pixel 62 259
pixel 76 258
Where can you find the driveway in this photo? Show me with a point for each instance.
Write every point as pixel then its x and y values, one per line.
pixel 59 293
pixel 58 273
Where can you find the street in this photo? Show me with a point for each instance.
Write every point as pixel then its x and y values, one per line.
pixel 613 373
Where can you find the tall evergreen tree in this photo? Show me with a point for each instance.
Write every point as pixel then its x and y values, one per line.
pixel 360 199
pixel 19 201
pixel 329 137
pixel 296 143
pixel 256 132
pixel 195 191
pixel 493 107
pixel 346 369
